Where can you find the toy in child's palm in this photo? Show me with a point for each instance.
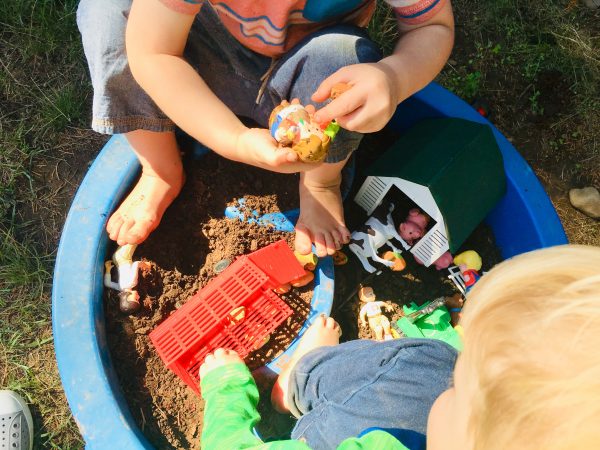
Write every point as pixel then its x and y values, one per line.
pixel 293 125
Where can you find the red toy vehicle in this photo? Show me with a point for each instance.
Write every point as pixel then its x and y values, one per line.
pixel 236 310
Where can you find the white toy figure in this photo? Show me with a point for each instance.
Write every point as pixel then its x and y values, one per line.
pixel 127 277
pixel 378 323
pixel 376 232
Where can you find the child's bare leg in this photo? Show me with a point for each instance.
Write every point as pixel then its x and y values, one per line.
pixel 323 332
pixel 160 182
pixel 321 213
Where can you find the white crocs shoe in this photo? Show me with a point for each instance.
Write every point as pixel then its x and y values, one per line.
pixel 16 425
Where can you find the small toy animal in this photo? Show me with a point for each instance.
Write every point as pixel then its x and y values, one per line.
pixel 443 262
pixel 413 227
pixel 377 231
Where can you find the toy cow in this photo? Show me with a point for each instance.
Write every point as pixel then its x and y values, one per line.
pixel 378 231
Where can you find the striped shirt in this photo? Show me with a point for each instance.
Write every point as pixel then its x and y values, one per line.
pixel 271 28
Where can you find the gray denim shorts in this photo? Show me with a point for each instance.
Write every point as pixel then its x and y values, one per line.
pixel 339 392
pixel 232 71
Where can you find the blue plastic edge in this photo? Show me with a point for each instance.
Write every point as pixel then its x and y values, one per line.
pixel 84 363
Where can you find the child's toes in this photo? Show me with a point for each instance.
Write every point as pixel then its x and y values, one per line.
pixel 124 231
pixel 344 234
pixel 114 226
pixel 139 231
pixel 320 245
pixel 303 243
pixel 331 323
pixel 330 243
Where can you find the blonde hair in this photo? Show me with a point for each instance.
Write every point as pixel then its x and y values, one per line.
pixel 532 352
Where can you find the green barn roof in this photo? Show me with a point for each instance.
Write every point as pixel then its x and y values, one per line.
pixel 461 164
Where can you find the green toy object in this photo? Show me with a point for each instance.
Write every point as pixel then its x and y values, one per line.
pixel 431 325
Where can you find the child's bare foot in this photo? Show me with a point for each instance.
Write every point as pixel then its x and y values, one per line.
pixel 321 213
pixel 141 211
pixel 219 358
pixel 323 332
pixel 161 181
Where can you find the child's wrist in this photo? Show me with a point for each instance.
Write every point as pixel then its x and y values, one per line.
pixel 227 374
pixel 238 143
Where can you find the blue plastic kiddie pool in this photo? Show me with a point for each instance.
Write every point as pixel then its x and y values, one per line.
pixel 523 220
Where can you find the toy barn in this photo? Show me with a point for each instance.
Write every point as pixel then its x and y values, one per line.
pixel 451 169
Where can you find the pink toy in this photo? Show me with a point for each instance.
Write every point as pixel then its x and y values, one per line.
pixel 443 262
pixel 413 227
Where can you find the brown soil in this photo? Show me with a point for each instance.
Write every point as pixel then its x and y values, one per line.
pixel 182 252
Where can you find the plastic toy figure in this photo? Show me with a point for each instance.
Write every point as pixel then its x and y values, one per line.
pixel 127 277
pixel 469 263
pixel 443 262
pixel 454 305
pixel 292 125
pixel 378 231
pixel 413 227
pixel 378 323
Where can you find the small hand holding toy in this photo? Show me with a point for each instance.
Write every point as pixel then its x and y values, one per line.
pixel 293 125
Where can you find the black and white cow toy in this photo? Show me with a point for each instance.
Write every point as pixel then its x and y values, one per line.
pixel 377 231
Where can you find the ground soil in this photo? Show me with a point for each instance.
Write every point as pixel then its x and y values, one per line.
pixel 182 253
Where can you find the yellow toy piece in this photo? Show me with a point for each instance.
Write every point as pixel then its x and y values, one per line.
pixel 470 258
pixel 309 260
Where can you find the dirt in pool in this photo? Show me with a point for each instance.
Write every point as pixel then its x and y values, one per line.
pixel 182 252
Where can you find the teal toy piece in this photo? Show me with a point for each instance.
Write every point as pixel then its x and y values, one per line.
pixel 434 325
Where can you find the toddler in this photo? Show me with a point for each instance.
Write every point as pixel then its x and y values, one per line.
pixel 200 64
pixel 528 377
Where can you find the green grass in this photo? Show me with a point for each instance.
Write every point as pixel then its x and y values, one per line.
pixel 43 90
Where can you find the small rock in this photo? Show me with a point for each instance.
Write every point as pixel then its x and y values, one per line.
pixel 253 245
pixel 221 266
pixel 587 200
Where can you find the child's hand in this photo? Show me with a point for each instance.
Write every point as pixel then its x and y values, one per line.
pixel 257 147
pixel 219 358
pixel 368 105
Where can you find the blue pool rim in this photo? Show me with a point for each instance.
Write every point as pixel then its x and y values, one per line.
pixel 524 220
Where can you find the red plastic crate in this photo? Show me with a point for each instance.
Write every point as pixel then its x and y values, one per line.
pixel 203 324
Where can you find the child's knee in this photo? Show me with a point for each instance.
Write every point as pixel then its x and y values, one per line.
pixel 340 49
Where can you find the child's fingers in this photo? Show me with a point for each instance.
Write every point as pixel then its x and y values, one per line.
pixel 340 107
pixel 324 90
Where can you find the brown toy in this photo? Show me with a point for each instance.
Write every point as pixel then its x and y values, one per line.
pixel 378 323
pixel 454 305
pixel 339 258
pixel 293 125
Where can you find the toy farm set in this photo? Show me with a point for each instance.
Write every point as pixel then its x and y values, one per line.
pixel 444 201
